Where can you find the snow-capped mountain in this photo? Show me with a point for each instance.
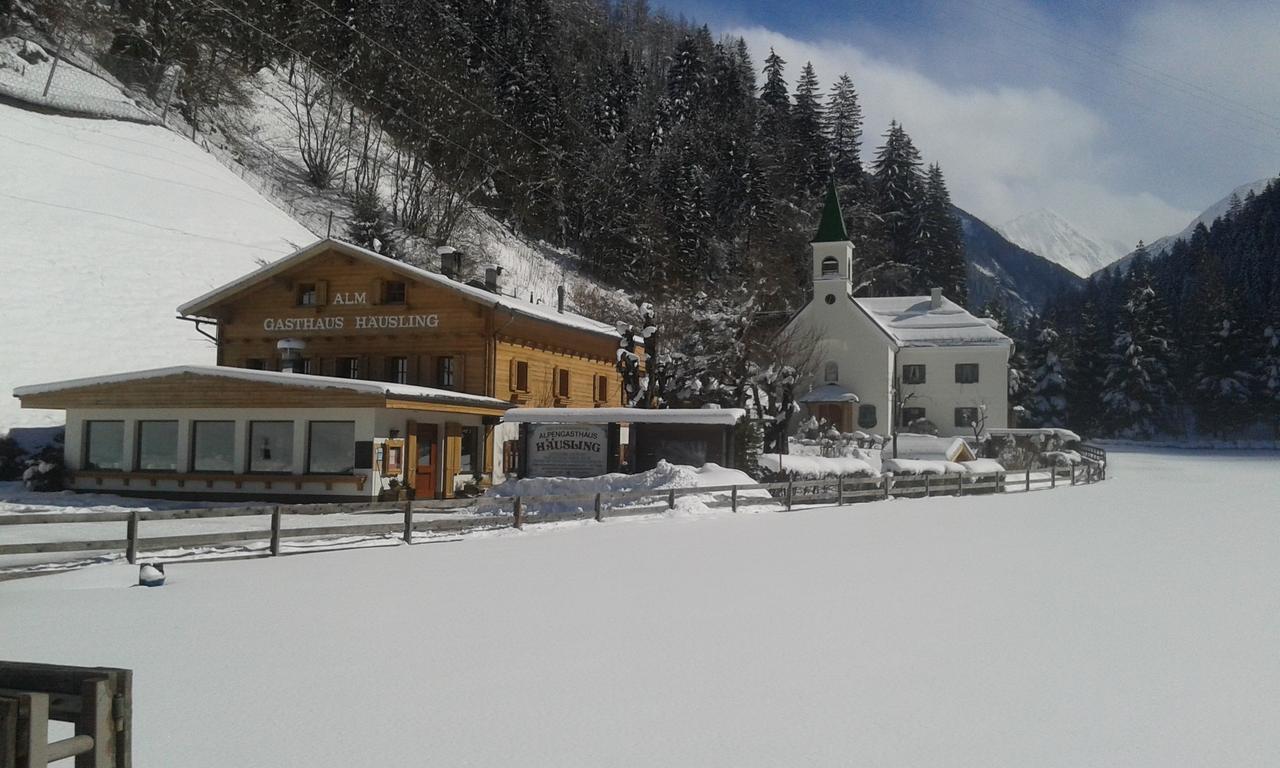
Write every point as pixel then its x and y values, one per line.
pixel 1159 247
pixel 999 270
pixel 1056 239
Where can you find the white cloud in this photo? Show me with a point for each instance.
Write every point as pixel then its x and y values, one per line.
pixel 1005 150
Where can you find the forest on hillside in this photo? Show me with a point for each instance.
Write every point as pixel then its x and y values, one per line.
pixel 1185 343
pixel 670 160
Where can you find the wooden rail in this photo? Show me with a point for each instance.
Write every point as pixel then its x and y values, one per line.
pixel 98 700
pixel 500 512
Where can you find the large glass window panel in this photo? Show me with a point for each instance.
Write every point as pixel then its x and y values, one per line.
pixel 104 445
pixel 158 445
pixel 271 446
pixel 331 447
pixel 214 446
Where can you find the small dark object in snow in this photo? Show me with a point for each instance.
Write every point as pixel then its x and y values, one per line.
pixel 151 575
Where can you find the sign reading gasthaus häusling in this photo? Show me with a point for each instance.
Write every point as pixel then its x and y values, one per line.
pixel 359 323
pixel 568 450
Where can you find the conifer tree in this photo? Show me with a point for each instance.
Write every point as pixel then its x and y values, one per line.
pixel 810 161
pixel 1047 403
pixel 843 123
pixel 1136 392
pixel 1088 370
pixel 940 242
pixel 1223 381
pixel 1268 380
pixel 899 191
pixel 368 227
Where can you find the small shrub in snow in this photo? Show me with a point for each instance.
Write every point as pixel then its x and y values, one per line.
pixel 12 459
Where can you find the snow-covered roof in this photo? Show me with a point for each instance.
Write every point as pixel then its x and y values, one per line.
pixel 382 388
pixel 724 416
pixel 910 321
pixel 197 306
pixel 913 446
pixel 828 393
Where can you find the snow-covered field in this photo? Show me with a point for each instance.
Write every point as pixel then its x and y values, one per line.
pixel 1132 623
pixel 105 228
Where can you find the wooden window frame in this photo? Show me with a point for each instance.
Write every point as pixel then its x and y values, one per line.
pixel 447 363
pixel 601 389
pixel 403 291
pixel 562 384
pixel 520 376
pixel 397 369
pixel 307 289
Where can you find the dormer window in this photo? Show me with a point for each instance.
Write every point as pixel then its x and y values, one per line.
pixel 830 266
pixel 307 295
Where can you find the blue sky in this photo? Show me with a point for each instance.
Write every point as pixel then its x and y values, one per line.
pixel 1127 118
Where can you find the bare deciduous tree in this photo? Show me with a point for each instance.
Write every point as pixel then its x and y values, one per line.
pixel 317 110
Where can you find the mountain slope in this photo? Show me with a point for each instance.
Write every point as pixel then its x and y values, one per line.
pixel 1162 245
pixel 1000 270
pixel 105 227
pixel 1046 233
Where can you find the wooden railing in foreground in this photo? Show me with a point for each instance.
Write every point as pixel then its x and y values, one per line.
pixel 494 512
pixel 98 700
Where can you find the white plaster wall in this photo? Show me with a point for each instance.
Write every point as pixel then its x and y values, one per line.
pixel 940 395
pixel 862 352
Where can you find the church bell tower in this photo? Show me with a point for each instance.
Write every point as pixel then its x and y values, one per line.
pixel 832 250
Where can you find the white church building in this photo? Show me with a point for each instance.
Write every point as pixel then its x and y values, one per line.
pixel 883 364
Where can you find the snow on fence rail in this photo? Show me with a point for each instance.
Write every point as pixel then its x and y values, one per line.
pixel 487 513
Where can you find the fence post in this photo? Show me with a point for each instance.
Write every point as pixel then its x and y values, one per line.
pixel 733 498
pixel 131 553
pixel 1028 477
pixel 517 514
pixel 408 522
pixel 840 491
pixel 57 54
pixel 959 483
pixel 671 499
pixel 790 490
pixel 885 479
pixel 927 490
pixel 1053 475
pixel 599 509
pixel 275 530
pixel 1073 474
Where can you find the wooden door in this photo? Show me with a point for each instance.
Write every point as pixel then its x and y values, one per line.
pixel 426 461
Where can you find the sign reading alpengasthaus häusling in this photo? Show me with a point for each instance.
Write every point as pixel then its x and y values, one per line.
pixel 567 450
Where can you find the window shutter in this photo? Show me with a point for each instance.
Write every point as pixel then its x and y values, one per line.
pixel 375 291
pixel 322 291
pixel 514 376
pixel 459 365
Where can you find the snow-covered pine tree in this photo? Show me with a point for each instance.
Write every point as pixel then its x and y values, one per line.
pixel 687 77
pixel 368 227
pixel 941 242
pixel 1137 395
pixel 1268 381
pixel 1089 350
pixel 1047 404
pixel 811 161
pixel 843 123
pixel 899 191
pixel 1223 379
pixel 1019 374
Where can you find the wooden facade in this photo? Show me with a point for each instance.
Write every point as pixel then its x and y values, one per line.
pixel 360 315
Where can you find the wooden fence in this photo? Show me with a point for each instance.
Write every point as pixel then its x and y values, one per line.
pixel 429 517
pixel 98 700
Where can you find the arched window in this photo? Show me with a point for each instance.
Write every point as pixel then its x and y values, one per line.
pixel 831 373
pixel 830 266
pixel 866 415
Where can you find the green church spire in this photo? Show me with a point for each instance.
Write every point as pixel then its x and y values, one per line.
pixel 831 228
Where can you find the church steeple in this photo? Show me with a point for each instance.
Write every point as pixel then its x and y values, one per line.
pixel 831 227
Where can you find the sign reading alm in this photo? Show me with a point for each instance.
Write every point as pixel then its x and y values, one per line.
pixel 567 450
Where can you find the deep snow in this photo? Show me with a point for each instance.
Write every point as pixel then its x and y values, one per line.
pixel 105 228
pixel 1132 623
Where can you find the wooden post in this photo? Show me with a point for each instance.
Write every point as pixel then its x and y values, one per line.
pixel 790 490
pixel 927 491
pixel 840 491
pixel 97 721
pixel 517 514
pixel 131 552
pixel 671 499
pixel 1053 476
pixel 408 522
pixel 1073 474
pixel 599 509
pixel 1028 477
pixel 57 55
pixel 885 480
pixel 733 498
pixel 275 530
pixel 959 483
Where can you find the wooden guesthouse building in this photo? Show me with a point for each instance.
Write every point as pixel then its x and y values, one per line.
pixel 340 373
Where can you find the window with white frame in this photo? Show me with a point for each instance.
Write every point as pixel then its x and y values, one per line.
pixel 213 446
pixel 158 446
pixel 331 447
pixel 271 446
pixel 104 445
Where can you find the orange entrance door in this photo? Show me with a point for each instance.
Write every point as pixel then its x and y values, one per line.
pixel 425 455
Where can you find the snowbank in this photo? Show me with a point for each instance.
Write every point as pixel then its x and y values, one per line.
pixel 928 447
pixel 1061 457
pixel 662 477
pixel 817 466
pixel 982 466
pixel 920 467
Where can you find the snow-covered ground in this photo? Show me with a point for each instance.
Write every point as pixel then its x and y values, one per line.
pixel 105 228
pixel 1131 623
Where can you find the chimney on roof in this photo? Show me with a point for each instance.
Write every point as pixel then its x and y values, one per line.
pixel 935 299
pixel 493 279
pixel 450 262
pixel 560 298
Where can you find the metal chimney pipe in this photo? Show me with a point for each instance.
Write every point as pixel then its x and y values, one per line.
pixel 935 298
pixel 560 298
